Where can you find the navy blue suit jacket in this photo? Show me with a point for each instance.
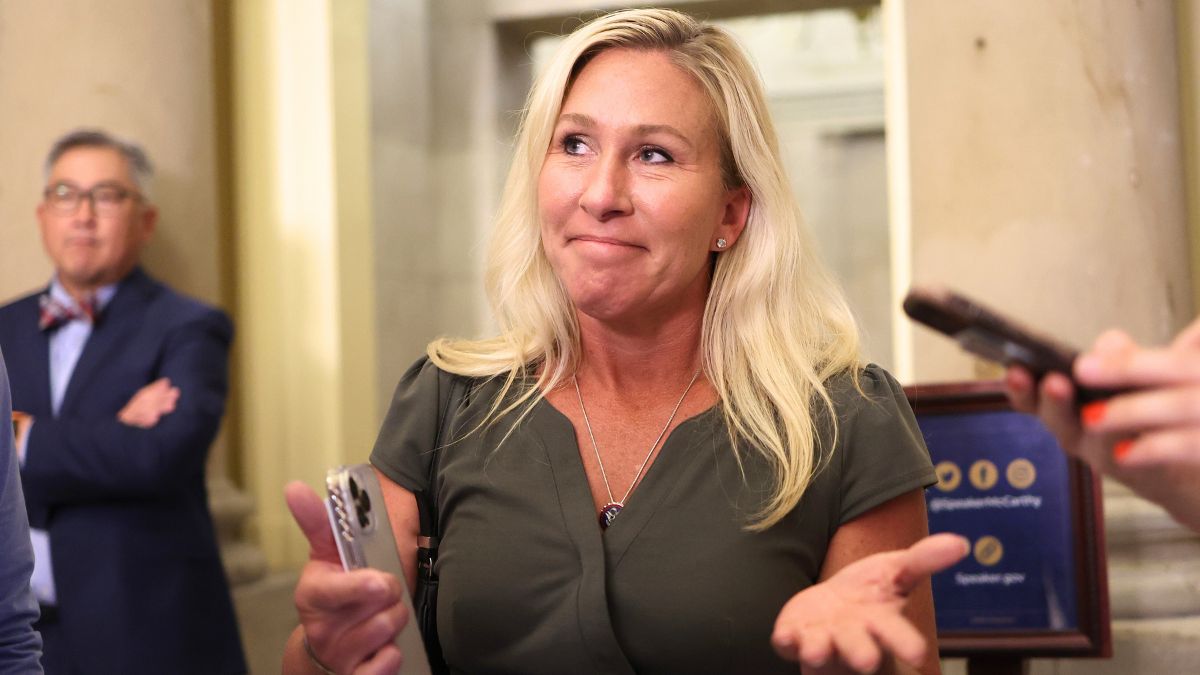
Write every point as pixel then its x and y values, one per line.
pixel 139 581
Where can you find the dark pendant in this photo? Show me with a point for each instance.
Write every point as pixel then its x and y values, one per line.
pixel 609 514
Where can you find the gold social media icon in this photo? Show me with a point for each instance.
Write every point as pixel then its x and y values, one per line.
pixel 949 476
pixel 988 551
pixel 983 474
pixel 1020 473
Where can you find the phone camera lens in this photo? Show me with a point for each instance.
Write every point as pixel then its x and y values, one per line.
pixel 354 488
pixel 362 504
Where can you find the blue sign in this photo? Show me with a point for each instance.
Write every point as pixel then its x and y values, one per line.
pixel 1003 483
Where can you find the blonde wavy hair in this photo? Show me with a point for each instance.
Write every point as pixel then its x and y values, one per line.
pixel 776 326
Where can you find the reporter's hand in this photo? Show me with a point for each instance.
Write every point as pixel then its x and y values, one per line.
pixel 150 404
pixel 350 619
pixel 1161 417
pixel 1053 400
pixel 1147 438
pixel 852 620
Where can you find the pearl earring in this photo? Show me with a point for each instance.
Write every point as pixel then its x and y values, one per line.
pixel 721 243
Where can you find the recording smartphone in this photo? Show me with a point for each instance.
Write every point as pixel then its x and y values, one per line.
pixel 986 333
pixel 364 539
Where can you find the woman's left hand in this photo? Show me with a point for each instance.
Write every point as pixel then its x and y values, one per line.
pixel 848 622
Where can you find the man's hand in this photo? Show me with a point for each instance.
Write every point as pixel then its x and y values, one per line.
pixel 150 404
pixel 21 423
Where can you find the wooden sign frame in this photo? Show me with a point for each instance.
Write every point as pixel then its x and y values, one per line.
pixel 1093 636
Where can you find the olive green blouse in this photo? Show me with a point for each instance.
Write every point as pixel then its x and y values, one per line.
pixel 530 583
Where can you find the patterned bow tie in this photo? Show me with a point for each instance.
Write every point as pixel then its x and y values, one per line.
pixel 54 313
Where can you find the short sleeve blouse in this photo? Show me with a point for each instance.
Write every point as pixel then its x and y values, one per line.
pixel 677 584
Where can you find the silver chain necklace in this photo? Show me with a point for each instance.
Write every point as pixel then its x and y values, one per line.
pixel 613 507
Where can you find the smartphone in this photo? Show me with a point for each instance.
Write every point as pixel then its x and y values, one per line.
pixel 986 333
pixel 364 539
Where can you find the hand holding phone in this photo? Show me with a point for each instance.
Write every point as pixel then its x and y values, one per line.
pixel 986 333
pixel 364 539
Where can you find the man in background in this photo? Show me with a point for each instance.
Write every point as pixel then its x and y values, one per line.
pixel 118 387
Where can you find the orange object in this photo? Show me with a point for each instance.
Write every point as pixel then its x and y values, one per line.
pixel 1093 413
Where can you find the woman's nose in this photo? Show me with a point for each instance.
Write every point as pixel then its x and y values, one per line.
pixel 606 194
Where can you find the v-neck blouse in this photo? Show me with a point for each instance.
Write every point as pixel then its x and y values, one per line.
pixel 529 582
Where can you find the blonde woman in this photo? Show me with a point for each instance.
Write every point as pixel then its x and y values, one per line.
pixel 670 459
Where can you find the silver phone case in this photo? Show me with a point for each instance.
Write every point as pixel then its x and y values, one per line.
pixel 364 539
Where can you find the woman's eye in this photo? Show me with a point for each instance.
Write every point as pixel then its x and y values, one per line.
pixel 573 145
pixel 652 155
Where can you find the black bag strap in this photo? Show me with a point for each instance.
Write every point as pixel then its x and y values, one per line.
pixel 425 599
pixel 427 499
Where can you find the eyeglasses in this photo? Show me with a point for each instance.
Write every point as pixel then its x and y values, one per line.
pixel 106 199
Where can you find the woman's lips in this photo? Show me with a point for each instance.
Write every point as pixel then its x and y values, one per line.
pixel 603 240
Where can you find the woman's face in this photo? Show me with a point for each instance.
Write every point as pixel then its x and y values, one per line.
pixel 630 193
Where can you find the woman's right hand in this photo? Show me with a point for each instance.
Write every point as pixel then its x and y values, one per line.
pixel 350 619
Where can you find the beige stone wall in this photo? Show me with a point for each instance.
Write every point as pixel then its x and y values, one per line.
pixel 1187 32
pixel 139 68
pixel 435 146
pixel 1046 166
